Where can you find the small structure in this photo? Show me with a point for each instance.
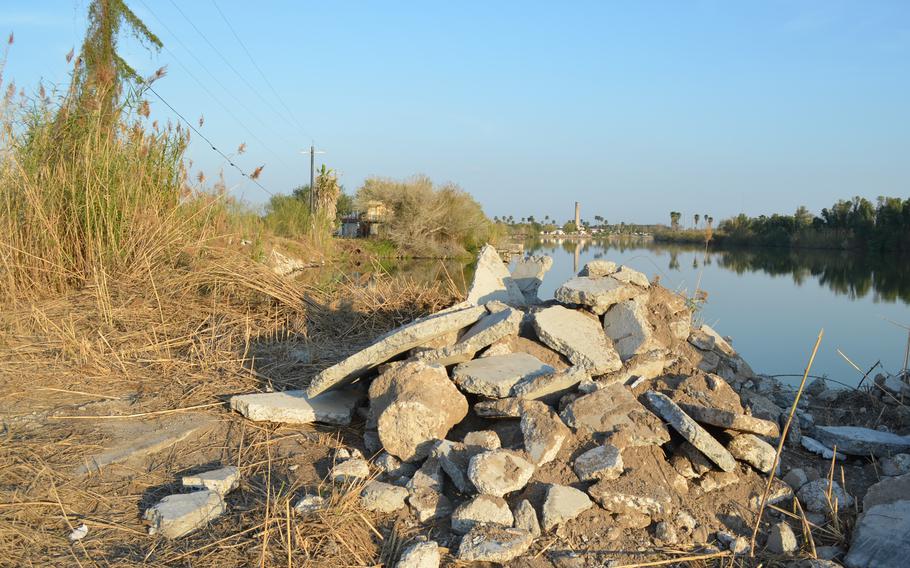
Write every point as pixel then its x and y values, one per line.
pixel 365 223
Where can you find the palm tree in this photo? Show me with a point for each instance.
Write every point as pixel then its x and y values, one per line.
pixel 697 217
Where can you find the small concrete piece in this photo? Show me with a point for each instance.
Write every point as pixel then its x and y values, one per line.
pixel 666 532
pixel 720 344
pixel 613 409
pixel 642 367
pixel 429 476
pixel 222 480
pixel 817 447
pixel 626 324
pixel 631 276
pixel 602 462
pixel 896 465
pixel 754 451
pixel 502 408
pixel 782 540
pixel 383 497
pixel 681 328
pixel 498 472
pixel 857 441
pixel 543 432
pixel 429 504
pixel 492 543
pixel 494 377
pixel 526 518
pixel 690 430
pixel 454 458
pixel 813 496
pixel 492 281
pixel 420 555
pixel 598 268
pixel 580 338
pixel 738 545
pixel 528 275
pixel 552 386
pixel 482 509
pixel 484 439
pixel 392 344
pixel 881 537
pixel 295 407
pixel 310 504
pixel 563 504
pixel 701 340
pixel 597 294
pixel 796 478
pixel 731 420
pixel 180 514
pixel 490 329
pixel 350 471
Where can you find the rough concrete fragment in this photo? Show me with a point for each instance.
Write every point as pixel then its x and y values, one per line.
pixel 310 504
pixel 754 451
pixel 429 504
pixel 498 472
pixel 350 470
pixel 681 328
pixel 429 476
pixel 881 537
pixel 857 441
pixel 701 340
pixel 484 439
pixel 613 409
pixel 394 343
pixel 420 555
pixel 502 408
pixel 492 281
pixel 528 275
pixel 526 518
pixel 543 432
pixel 720 344
pixel 494 377
pixel 796 478
pixel 180 514
pixel 690 430
pixel 480 510
pixel 896 465
pixel 887 490
pixel 492 543
pixel 552 386
pixel 666 532
pixel 817 447
pixel 631 276
pixel 392 466
pixel 454 458
pixel 602 462
pixel 731 420
pixel 580 338
pixel 598 268
pixel 657 502
pixel 626 324
pixel 708 361
pixel 563 504
pixel 782 540
pixel 714 480
pixel 736 544
pixel 537 348
pixel 490 329
pixel 383 497
pixel 644 367
pixel 597 294
pixel 221 481
pixel 813 496
pixel 295 407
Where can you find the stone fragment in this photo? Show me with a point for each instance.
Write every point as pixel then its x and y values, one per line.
pixel 383 497
pixel 715 480
pixel 180 514
pixel 701 340
pixel 898 464
pixel 580 338
pixel 481 509
pixel 814 496
pixel 498 472
pixel 736 544
pixel 454 458
pixel 708 361
pixel 415 404
pixel 881 537
pixel 526 518
pixel 221 481
pixel 644 367
pixel 429 476
pixel 484 439
pixel 690 430
pixel 754 451
pixel 731 420
pixel 551 386
pixel 597 294
pixel 598 268
pixel 562 504
pixel 392 466
pixel 857 441
pixel 310 504
pixel 543 432
pixel 602 462
pixel 720 344
pixel 528 275
pixel 613 409
pixel 644 487
pixel 782 540
pixel 887 490
pixel 350 471
pixel 817 447
pixel 494 377
pixel 429 504
pixel 796 478
pixel 681 328
pixel 537 349
pixel 502 408
pixel 626 324
pixel 492 281
pixel 631 276
pixel 392 344
pixel 761 406
pixel 666 532
pixel 420 555
pixel 488 330
pixel 493 543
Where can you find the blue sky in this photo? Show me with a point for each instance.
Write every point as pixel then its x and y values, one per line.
pixel 633 108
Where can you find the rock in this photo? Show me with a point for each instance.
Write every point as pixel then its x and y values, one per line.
pixel 526 518
pixel 392 344
pixel 626 324
pixel 681 328
pixel 528 275
pixel 857 441
pixel 429 504
pixel 898 464
pixel 686 521
pixel 543 432
pixel 598 268
pixel 643 367
pixel 481 509
pixel 644 488
pixel 731 420
pixel 502 408
pixel 350 471
pixel 754 451
pixel 602 462
pixel 454 458
pixel 392 466
pixel 736 544
pixel 492 281
pixel 817 447
pixel 782 540
pixel 815 563
pixel 538 349
pixel 492 543
pixel 761 406
pixel 180 514
pixel 222 481
pixel 414 404
pixel 383 497
pixel 813 496
pixel 708 361
pixel 498 472
pixel 714 480
pixel 881 537
pixel 310 504
pixel 490 329
pixel 886 491
pixel 597 294
pixel 828 552
pixel 628 275
pixel 796 478
pixel 701 340
pixel 577 336
pixel 420 555
pixel 690 430
pixel 429 476
pixel 494 377
pixel 665 532
pixel 563 504
pixel 552 386
pixel 720 344
pixel 484 439
pixel 817 387
pixel 613 409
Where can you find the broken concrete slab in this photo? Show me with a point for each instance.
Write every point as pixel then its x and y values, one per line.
pixel 180 514
pixel 350 471
pixel 551 387
pixel 644 367
pixel 543 432
pixel 752 450
pixel 701 340
pixel 429 504
pixel 494 377
pixel 888 490
pixel 482 509
pixel 597 294
pixel 420 555
pixel 222 480
pixel 526 518
pixel 383 497
pixel 881 537
pixel 601 462
pixel 690 430
pixel 528 275
pixel 493 543
pixel 490 329
pixel 614 410
pixel 731 420
pixel 310 504
pixel 817 447
pixel 501 408
pixel 392 344
pixel 598 268
pixel 498 472
pixel 454 458
pixel 720 343
pixel 857 441
pixel 626 324
pixel 580 338
pixel 492 281
pixel 631 276
pixel 643 489
pixel 429 476
pixel 562 504
pixel 295 407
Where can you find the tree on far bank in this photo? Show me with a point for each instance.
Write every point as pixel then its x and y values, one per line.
pixel 697 217
pixel 674 219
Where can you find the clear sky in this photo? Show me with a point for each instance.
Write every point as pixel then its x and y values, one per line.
pixel 633 108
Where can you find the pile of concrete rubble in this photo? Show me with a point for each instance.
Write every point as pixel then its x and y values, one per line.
pixel 602 417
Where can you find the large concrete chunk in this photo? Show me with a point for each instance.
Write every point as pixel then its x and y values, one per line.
pixel 528 275
pixel 488 330
pixel 543 432
pixel 526 518
pixel 814 496
pixel 578 337
pixel 414 405
pixel 481 509
pixel 597 268
pixel 598 294
pixel 492 281
pixel 614 410
pixel 881 537
pixel 494 377
pixel 420 555
pixel 551 387
pixel 563 504
pixel 602 462
pixel 296 407
pixel 690 430
pixel 858 441
pixel 498 472
pixel 177 515
pixel 627 325
pixel 631 276
pixel 392 344
pixel 492 543
pixel 383 497
pixel 731 420
pixel 221 481
pixel 754 451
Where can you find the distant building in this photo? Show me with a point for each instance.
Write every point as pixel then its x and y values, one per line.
pixel 365 223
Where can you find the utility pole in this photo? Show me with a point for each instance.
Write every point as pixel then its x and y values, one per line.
pixel 312 152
